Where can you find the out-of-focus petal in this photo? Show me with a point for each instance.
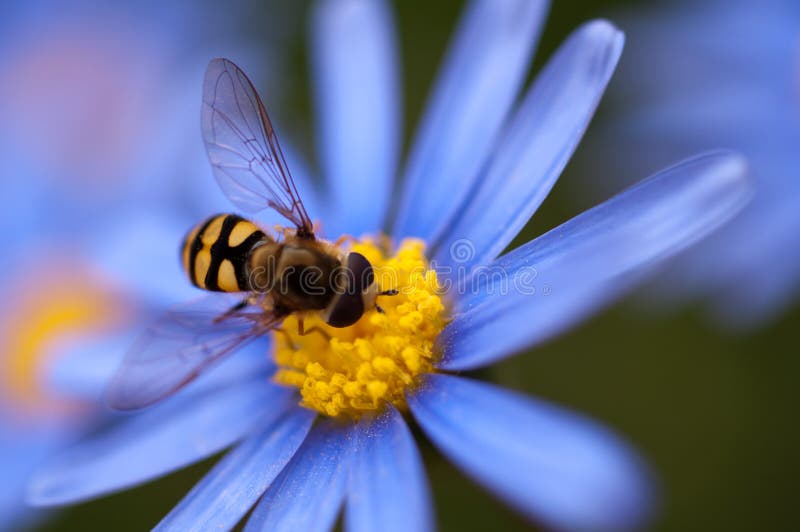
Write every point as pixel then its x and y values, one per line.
pixel 22 449
pixel 536 146
pixel 355 79
pixel 550 283
pixel 687 85
pixel 184 430
pixel 140 252
pixel 387 487
pixel 553 466
pixel 769 291
pixel 234 485
pixel 481 77
pixel 83 367
pixel 309 492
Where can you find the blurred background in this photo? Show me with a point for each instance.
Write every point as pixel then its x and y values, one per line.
pixel 100 148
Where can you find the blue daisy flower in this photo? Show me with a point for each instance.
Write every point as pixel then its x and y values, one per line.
pixel 92 99
pixel 45 315
pixel 486 155
pixel 95 97
pixel 707 74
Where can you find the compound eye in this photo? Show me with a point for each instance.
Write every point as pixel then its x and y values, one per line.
pixel 347 309
pixel 360 273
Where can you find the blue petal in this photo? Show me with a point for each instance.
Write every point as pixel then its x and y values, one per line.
pixel 183 430
pixel 535 146
pixel 387 488
pixel 355 73
pixel 22 449
pixel 481 77
pixel 687 85
pixel 769 290
pixel 309 492
pixel 234 485
pixel 553 466
pixel 552 282
pixel 770 293
pixel 152 242
pixel 769 227
pixel 82 366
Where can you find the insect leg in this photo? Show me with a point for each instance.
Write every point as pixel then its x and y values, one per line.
pixel 302 331
pixel 320 330
pixel 288 337
pixel 344 238
pixel 231 311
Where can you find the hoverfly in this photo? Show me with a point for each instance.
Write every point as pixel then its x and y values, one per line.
pixel 227 253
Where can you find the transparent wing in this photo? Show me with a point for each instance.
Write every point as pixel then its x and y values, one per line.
pixel 180 346
pixel 243 148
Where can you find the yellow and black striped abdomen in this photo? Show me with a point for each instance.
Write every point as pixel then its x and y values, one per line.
pixel 215 252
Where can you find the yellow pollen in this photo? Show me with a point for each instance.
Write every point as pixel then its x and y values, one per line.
pixel 363 367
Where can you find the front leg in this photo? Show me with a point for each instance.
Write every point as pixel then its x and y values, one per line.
pixel 301 329
pixel 344 238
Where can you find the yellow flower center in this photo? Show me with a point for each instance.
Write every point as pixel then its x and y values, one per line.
pixel 361 368
pixel 52 305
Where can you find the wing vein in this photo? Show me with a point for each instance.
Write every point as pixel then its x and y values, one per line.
pixel 236 129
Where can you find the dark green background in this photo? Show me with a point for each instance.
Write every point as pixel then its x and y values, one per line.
pixel 714 414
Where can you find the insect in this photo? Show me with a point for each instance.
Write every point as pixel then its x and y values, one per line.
pixel 294 273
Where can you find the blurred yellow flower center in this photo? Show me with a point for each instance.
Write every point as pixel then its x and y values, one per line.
pixel 363 367
pixel 41 312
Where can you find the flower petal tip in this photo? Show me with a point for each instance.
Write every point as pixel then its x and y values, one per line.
pixel 46 491
pixel 602 29
pixel 729 168
pixel 557 468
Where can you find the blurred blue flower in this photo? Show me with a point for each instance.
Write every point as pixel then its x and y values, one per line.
pixel 45 315
pixel 481 164
pixel 710 74
pixel 96 149
pixel 98 101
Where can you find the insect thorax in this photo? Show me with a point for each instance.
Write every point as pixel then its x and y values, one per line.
pixel 298 277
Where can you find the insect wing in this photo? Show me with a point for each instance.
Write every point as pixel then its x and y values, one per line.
pixel 178 348
pixel 243 148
